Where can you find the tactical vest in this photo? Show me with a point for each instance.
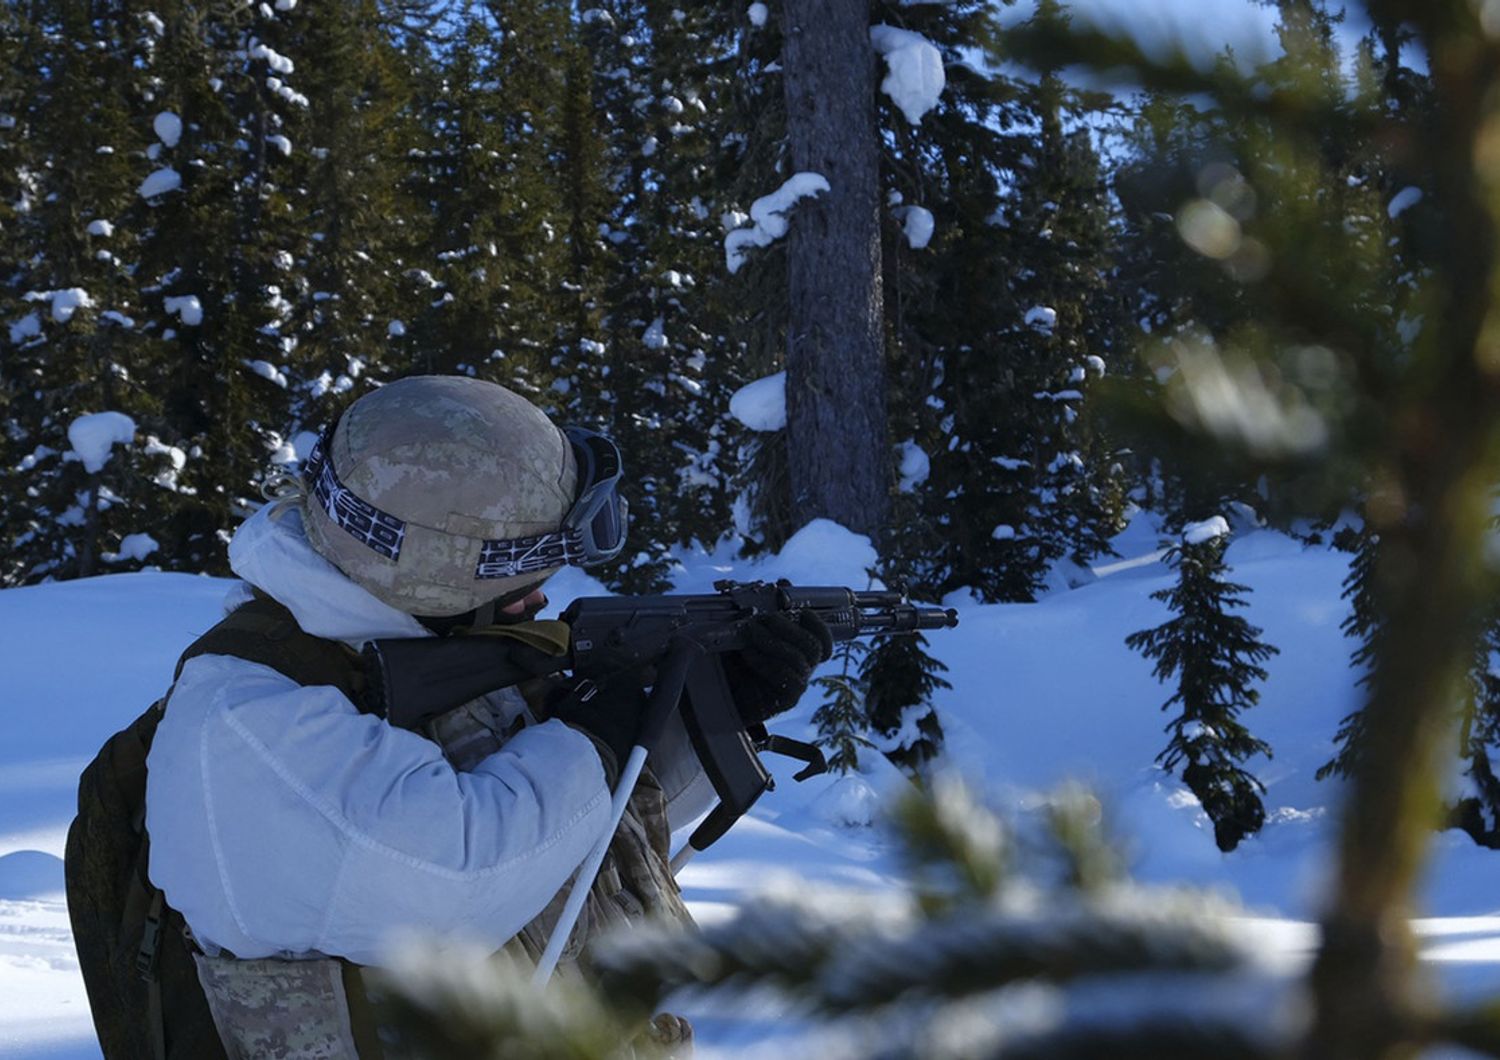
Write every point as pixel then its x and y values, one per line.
pixel 152 990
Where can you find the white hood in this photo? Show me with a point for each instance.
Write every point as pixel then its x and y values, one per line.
pixel 270 551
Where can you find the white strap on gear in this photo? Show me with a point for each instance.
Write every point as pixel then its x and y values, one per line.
pixel 584 881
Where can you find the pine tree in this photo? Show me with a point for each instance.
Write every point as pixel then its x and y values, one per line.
pixel 1477 811
pixel 1361 625
pixel 836 402
pixel 840 718
pixel 900 678
pixel 1215 658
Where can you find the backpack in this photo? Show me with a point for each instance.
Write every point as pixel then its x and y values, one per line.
pixel 134 950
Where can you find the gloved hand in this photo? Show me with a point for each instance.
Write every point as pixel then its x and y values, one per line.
pixel 610 712
pixel 770 674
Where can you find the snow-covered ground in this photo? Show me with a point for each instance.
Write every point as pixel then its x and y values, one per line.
pixel 1041 693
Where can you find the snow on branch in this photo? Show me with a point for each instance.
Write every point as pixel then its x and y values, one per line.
pixel 94 435
pixel 768 216
pixel 915 77
pixel 761 405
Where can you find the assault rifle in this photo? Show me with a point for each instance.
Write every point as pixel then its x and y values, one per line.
pixel 680 638
pixel 675 644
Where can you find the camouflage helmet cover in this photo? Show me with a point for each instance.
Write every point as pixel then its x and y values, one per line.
pixel 420 476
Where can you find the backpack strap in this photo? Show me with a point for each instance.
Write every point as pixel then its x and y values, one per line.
pixel 265 632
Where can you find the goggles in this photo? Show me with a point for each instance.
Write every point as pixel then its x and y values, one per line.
pixel 592 532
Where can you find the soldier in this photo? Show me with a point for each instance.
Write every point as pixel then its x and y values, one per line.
pixel 293 836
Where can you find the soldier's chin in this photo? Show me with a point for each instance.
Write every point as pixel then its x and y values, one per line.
pixel 527 607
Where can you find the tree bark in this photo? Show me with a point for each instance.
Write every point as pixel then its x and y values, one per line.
pixel 836 420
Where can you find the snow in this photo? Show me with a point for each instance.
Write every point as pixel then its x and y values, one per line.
pixel 1208 530
pixel 279 63
pixel 761 405
pixel 159 183
pixel 64 303
pixel 768 217
pixel 28 327
pixel 101 227
pixel 655 335
pixel 1403 200
pixel 94 436
pixel 757 14
pixel 158 27
pixel 1041 317
pixel 281 143
pixel 915 465
pixel 267 370
pixel 186 307
pixel 915 77
pixel 395 329
pixel 1003 532
pixel 917 225
pixel 116 317
pixel 286 5
pixel 1042 694
pixel 132 547
pixel 168 128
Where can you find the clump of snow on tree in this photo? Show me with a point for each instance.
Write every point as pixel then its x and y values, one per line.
pixel 267 370
pixel 101 227
pixel 132 547
pixel 64 303
pixel 186 307
pixel 95 434
pixel 915 465
pixel 757 15
pixel 761 405
pixel 168 128
pixel 159 183
pixel 286 5
pixel 655 336
pixel 768 216
pixel 1403 200
pixel 915 77
pixel 277 62
pixel 27 328
pixel 917 226
pixel 1003 532
pixel 395 329
pixel 1041 317
pixel 1208 530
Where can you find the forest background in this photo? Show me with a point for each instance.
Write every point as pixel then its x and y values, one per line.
pixel 1207 286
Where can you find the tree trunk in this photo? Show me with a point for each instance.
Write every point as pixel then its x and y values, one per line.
pixel 836 423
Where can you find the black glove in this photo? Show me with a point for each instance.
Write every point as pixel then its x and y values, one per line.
pixel 771 672
pixel 610 712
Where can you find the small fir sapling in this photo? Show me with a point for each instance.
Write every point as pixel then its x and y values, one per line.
pixel 1361 625
pixel 900 678
pixel 1215 657
pixel 841 719
pixel 1477 810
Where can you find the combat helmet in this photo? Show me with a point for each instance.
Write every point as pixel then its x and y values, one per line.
pixel 441 494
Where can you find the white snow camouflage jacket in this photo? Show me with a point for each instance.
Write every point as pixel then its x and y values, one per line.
pixel 285 823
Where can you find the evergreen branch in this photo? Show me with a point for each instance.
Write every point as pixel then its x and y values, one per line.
pixel 1157 1038
pixel 972 951
pixel 1302 114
